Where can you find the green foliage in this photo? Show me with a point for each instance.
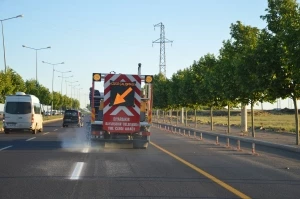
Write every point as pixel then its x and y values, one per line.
pixel 161 90
pixel 283 19
pixel 11 82
pixel 253 66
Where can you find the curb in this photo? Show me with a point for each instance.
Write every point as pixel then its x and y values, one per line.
pixel 248 140
pixel 54 120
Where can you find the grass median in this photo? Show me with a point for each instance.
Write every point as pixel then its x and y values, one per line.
pixel 274 121
pixel 278 123
pixel 52 117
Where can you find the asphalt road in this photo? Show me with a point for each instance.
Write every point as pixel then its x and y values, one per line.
pixel 58 164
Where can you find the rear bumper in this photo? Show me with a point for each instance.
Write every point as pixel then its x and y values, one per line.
pixel 71 122
pixel 17 129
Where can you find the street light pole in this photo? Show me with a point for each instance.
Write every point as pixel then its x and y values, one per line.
pixel 36 63
pixel 72 92
pixel 3 38
pixel 62 78
pixel 52 80
pixel 79 95
pixel 69 85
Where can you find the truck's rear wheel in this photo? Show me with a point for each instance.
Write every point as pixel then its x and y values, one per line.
pixel 138 144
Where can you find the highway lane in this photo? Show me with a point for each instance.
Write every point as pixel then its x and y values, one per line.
pixel 43 168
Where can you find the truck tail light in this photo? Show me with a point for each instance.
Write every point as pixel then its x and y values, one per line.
pixel 145 133
pixel 97 132
pixel 32 118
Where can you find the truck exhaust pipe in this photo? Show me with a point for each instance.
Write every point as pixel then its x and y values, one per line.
pixel 139 68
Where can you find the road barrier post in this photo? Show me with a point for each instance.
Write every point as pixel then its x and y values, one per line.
pixel 238 145
pixel 253 149
pixel 217 140
pixel 201 138
pixel 184 132
pixel 227 143
pixel 189 133
pixel 194 134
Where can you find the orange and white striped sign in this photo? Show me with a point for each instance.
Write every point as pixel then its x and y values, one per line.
pixel 122 101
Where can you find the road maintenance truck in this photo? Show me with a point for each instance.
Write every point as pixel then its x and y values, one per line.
pixel 122 114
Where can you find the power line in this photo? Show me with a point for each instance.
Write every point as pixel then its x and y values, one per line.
pixel 162 41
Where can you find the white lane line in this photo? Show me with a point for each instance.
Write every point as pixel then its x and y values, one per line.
pixel 76 173
pixel 30 139
pixel 85 150
pixel 55 129
pixel 5 148
pixel 46 133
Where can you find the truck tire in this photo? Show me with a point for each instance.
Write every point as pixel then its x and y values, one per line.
pixel 139 144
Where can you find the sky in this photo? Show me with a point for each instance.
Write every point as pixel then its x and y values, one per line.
pixel 103 36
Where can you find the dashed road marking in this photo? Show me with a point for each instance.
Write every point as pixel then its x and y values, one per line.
pixel 30 139
pixel 77 170
pixel 5 148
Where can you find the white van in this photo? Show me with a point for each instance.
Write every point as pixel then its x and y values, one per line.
pixel 22 112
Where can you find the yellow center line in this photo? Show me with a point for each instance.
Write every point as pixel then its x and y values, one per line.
pixel 214 179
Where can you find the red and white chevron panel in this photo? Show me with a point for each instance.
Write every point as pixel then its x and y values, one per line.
pixel 121 119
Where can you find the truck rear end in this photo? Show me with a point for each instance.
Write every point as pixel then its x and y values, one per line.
pixel 122 113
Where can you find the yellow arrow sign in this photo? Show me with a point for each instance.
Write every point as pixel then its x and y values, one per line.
pixel 120 98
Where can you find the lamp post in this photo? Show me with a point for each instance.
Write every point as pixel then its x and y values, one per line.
pixel 70 85
pixel 62 78
pixel 36 49
pixel 72 92
pixel 52 79
pixel 4 55
pixel 79 94
pixel 66 81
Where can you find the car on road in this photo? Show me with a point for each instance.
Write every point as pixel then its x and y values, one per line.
pixel 22 112
pixel 73 118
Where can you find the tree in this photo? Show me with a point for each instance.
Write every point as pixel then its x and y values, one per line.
pixel 252 89
pixel 283 19
pixel 210 89
pixel 6 86
pixel 160 92
pixel 229 89
pixel 57 102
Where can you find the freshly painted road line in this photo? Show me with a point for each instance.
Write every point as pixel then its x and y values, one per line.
pixel 5 148
pixel 76 173
pixel 30 139
pixel 214 179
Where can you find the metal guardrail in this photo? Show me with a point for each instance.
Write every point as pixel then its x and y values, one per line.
pixel 185 131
